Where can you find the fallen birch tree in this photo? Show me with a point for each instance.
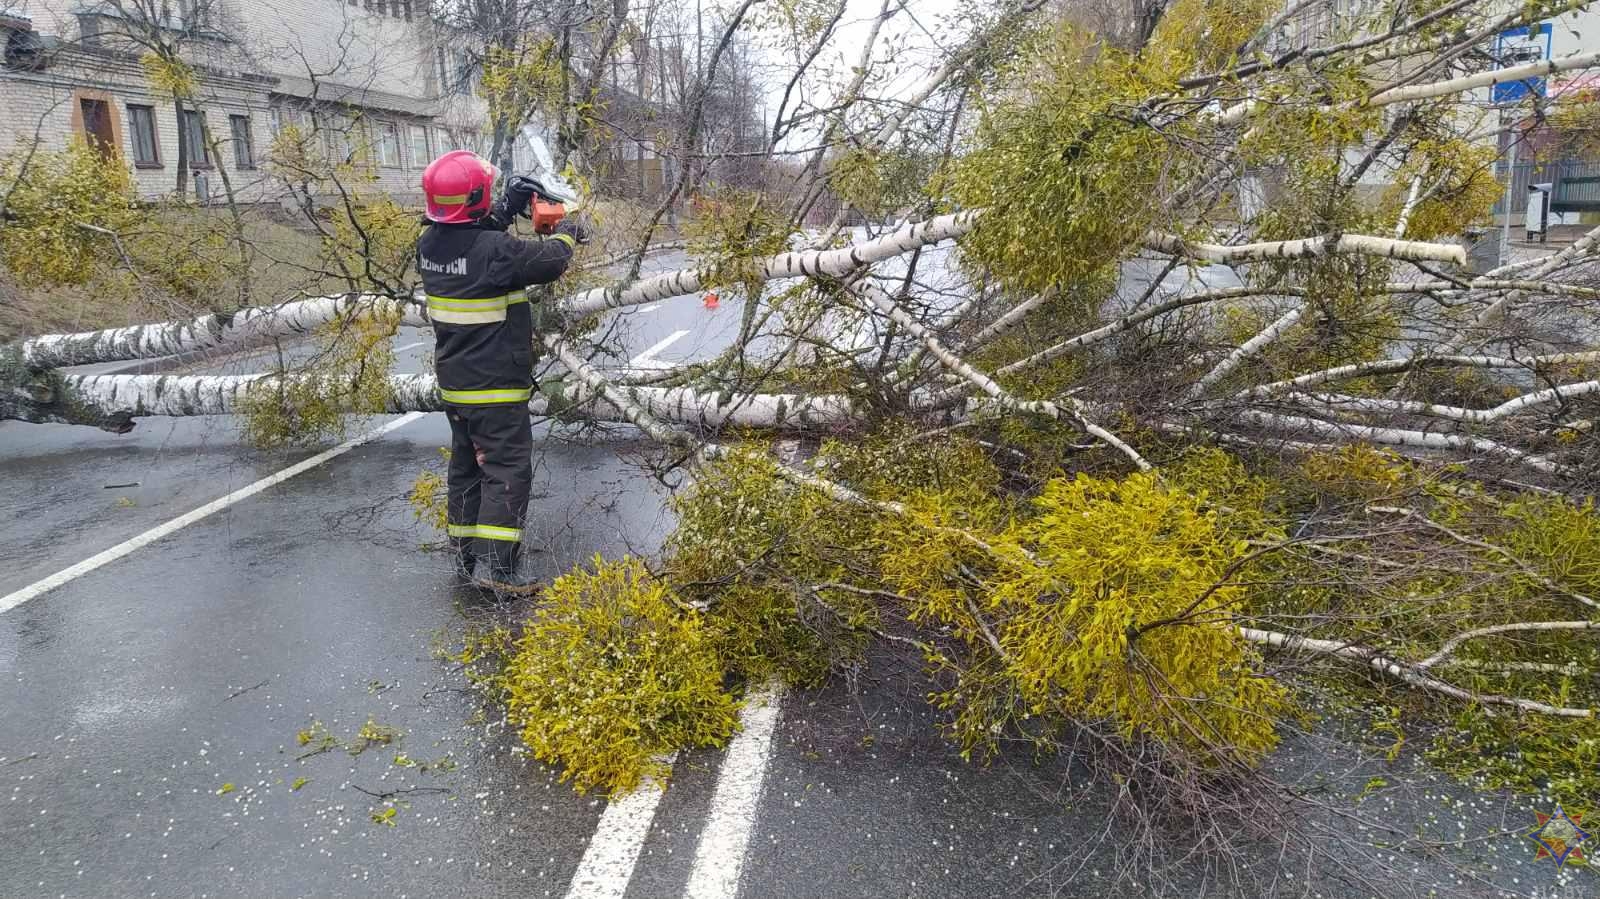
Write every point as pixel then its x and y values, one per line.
pixel 1129 465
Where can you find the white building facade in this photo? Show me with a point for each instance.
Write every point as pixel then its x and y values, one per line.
pixel 373 81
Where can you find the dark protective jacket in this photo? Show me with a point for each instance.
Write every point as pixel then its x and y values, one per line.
pixel 475 277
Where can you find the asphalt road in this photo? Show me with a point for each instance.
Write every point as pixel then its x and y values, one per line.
pixel 149 708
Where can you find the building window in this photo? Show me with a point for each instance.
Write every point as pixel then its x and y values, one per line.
pixel 146 147
pixel 455 71
pixel 388 145
pixel 194 139
pixel 286 117
pixel 194 15
pixel 420 154
pixel 244 147
pixel 97 129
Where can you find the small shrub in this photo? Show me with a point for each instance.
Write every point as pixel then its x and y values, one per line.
pixel 60 204
pixel 611 675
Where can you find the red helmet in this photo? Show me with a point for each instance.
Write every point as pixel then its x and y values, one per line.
pixel 457 187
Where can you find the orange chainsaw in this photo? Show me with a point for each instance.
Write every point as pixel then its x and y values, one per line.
pixel 552 193
pixel 548 205
pixel 549 208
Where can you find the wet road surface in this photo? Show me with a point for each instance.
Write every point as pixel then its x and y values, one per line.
pixel 150 709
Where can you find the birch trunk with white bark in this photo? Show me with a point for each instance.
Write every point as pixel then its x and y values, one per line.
pixel 93 399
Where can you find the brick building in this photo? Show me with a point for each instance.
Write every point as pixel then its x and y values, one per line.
pixel 371 79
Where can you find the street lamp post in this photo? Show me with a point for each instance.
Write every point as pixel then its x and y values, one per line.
pixel 1511 182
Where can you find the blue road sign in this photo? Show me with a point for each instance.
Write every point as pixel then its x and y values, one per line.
pixel 1518 46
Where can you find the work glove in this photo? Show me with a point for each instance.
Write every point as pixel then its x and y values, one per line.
pixel 575 227
pixel 515 200
pixel 519 193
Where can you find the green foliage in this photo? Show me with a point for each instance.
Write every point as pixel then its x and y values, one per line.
pixel 350 374
pixel 169 74
pixel 1359 471
pixel 1041 605
pixel 728 231
pixel 879 182
pixel 1099 601
pixel 610 675
pixel 315 739
pixel 372 734
pixel 1067 185
pixel 1562 534
pixel 1413 588
pixel 737 525
pixel 64 208
pixel 368 241
pixel 1102 605
pixel 527 76
pixel 384 816
pixel 429 496
pixel 799 22
pixel 1111 603
pixel 376 238
pixel 1070 178
pixel 1467 187
pixel 1115 558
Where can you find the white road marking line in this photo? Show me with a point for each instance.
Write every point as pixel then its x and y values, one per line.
pixel 607 864
pixel 646 356
pixel 411 346
pixel 11 601
pixel 650 308
pixel 726 838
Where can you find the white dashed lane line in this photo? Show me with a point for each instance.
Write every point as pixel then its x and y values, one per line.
pixel 647 358
pixel 66 575
pixel 726 838
pixel 607 865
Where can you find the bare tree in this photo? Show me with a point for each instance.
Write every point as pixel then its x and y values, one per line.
pixel 163 33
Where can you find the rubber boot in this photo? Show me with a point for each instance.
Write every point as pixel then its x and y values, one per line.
pixel 498 571
pixel 464 555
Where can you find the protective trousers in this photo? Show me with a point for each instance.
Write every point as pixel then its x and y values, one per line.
pixel 491 474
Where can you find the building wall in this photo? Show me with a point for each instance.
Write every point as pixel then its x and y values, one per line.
pixel 343 43
pixel 349 70
pixel 49 104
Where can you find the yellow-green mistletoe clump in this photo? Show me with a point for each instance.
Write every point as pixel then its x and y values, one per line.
pixel 65 210
pixel 1074 150
pixel 1106 603
pixel 1122 618
pixel 611 675
pixel 349 375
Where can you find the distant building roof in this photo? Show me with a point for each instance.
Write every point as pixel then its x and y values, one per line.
pixel 350 95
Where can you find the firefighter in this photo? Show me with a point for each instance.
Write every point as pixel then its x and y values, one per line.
pixel 474 273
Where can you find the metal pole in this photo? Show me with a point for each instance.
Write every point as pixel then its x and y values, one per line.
pixel 1511 181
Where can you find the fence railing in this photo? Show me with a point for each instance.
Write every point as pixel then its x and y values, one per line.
pixel 1576 185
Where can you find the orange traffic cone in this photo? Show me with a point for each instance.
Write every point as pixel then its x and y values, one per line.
pixel 712 301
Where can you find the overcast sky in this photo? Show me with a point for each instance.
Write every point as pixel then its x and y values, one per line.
pixel 909 46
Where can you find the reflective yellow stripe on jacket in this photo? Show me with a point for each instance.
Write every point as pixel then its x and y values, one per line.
pixel 480 311
pixel 486 531
pixel 486 397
